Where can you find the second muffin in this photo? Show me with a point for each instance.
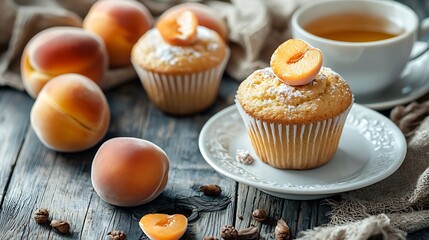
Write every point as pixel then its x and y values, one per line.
pixel 181 79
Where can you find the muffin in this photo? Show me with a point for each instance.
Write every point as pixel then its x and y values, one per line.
pixel 294 127
pixel 181 79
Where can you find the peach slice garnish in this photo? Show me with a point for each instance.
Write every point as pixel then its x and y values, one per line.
pixel 295 62
pixel 159 226
pixel 179 29
pixel 206 16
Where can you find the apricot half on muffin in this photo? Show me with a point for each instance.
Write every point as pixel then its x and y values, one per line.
pixel 295 62
pixel 179 29
pixel 206 17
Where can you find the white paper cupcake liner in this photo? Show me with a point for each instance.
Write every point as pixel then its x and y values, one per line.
pixel 182 94
pixel 302 146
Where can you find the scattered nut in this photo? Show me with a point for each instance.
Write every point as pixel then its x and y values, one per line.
pixel 210 238
pixel 41 216
pixel 244 157
pixel 229 232
pixel 117 235
pixel 210 190
pixel 259 215
pixel 60 226
pixel 281 231
pixel 250 233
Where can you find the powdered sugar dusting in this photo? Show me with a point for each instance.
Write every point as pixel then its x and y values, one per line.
pixel 282 91
pixel 212 46
pixel 266 72
pixel 171 54
pixel 206 34
pixel 265 96
pixel 168 53
pixel 327 71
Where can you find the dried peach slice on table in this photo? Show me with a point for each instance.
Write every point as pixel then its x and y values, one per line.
pixel 179 29
pixel 159 226
pixel 296 62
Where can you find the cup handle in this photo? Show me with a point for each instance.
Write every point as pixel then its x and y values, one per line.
pixel 423 31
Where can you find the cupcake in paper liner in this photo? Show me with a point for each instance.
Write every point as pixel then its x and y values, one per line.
pixel 181 79
pixel 294 127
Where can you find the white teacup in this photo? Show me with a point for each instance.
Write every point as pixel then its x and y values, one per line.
pixel 368 66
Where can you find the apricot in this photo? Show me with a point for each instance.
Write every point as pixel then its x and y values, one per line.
pixel 295 62
pixel 59 50
pixel 70 114
pixel 180 29
pixel 129 171
pixel 120 24
pixel 159 226
pixel 205 15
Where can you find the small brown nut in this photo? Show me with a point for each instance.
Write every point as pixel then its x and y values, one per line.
pixel 211 190
pixel 249 233
pixel 117 235
pixel 210 238
pixel 60 226
pixel 229 232
pixel 281 231
pixel 41 216
pixel 259 215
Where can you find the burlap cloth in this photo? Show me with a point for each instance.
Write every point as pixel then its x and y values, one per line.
pixel 390 208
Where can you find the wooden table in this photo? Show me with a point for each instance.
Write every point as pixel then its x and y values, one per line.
pixel 32 176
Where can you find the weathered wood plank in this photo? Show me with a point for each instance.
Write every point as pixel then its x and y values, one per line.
pixel 44 178
pixel 249 199
pixel 61 182
pixel 135 116
pixel 14 120
pixel 290 213
pixel 305 215
pixel 299 215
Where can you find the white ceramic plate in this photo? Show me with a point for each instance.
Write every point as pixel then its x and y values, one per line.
pixel 412 84
pixel 371 148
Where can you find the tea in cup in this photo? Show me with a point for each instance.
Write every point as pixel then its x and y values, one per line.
pixel 368 42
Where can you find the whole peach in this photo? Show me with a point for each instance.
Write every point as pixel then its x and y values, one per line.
pixel 70 114
pixel 205 15
pixel 59 50
pixel 120 23
pixel 129 171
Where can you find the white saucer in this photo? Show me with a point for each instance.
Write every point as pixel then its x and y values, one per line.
pixel 412 84
pixel 371 148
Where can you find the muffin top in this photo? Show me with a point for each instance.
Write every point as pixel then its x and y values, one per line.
pixel 263 96
pixel 153 53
